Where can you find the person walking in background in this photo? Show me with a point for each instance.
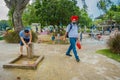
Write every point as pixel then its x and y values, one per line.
pixel 58 38
pixel 72 32
pixel 53 38
pixel 81 36
pixel 36 29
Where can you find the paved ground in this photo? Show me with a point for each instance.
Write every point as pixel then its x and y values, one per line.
pixel 57 66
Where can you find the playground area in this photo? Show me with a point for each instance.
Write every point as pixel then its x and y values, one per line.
pixel 57 66
pixel 36 37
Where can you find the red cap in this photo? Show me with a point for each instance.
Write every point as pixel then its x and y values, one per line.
pixel 74 18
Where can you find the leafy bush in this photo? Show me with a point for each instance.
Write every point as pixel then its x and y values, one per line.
pixel 114 43
pixel 88 30
pixel 1 38
pixel 13 37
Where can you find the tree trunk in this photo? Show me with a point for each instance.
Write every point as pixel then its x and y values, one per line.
pixel 17 16
pixel 18 6
pixel 12 19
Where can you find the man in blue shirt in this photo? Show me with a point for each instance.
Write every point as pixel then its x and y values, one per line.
pixel 72 31
pixel 26 38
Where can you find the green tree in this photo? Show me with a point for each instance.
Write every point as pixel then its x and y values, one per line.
pixel 4 24
pixel 104 5
pixel 114 13
pixel 29 15
pixel 75 1
pixel 85 19
pixel 54 12
pixel 16 9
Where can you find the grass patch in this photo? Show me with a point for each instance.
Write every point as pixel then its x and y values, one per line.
pixel 1 38
pixel 109 54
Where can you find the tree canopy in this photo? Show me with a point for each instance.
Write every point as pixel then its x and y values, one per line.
pixel 54 12
pixel 104 5
pixel 114 13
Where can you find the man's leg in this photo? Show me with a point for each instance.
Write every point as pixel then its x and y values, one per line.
pixel 80 38
pixel 21 50
pixel 69 49
pixel 73 42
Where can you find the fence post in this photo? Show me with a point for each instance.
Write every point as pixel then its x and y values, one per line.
pixel 30 51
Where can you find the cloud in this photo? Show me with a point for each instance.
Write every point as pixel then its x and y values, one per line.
pixel 92 7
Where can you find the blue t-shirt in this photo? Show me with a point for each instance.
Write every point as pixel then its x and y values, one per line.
pixel 22 34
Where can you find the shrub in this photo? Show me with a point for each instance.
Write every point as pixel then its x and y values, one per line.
pixel 13 37
pixel 114 43
pixel 1 38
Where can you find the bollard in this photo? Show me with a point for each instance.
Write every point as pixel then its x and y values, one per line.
pixel 30 51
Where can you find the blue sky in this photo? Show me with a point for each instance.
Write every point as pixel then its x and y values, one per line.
pixel 93 11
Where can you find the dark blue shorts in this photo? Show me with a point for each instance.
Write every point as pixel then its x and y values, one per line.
pixel 26 41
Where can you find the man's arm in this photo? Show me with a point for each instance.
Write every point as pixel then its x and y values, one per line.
pixel 65 34
pixel 23 41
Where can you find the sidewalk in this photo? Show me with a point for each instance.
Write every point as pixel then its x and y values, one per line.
pixel 57 66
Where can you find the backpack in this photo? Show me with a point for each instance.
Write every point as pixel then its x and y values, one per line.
pixel 69 31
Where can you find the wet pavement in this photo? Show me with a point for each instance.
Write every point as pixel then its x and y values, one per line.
pixel 57 66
